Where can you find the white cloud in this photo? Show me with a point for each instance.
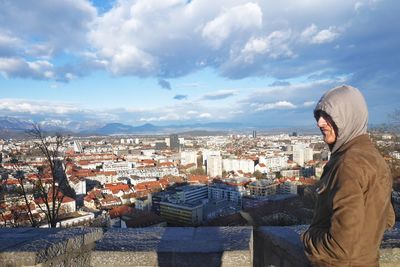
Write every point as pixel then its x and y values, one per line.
pixel 325 36
pixel 205 116
pixel 7 41
pixel 18 67
pixel 130 60
pixel 309 103
pixel 276 105
pixel 36 107
pixel 274 46
pixel 236 19
pixel 312 35
pixel 48 29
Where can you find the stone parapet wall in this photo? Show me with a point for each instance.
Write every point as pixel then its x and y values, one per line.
pixel 47 247
pixel 166 246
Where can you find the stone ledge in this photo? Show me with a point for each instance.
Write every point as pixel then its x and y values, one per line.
pixel 33 246
pixel 281 246
pixel 278 246
pixel 175 246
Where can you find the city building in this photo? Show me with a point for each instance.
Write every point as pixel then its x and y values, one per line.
pixel 235 165
pixel 214 166
pixel 222 191
pixel 183 214
pixel 287 187
pixel 188 157
pixel 174 142
pixel 191 193
pixel 263 187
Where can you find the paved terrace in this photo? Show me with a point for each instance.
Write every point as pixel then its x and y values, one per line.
pixel 180 246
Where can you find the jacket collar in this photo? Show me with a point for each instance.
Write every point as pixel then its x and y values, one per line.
pixel 361 139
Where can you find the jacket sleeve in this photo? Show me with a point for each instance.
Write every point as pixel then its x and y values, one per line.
pixel 391 217
pixel 347 214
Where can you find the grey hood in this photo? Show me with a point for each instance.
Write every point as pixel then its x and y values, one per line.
pixel 347 108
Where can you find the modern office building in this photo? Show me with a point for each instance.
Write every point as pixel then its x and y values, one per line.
pixel 221 191
pixel 182 214
pixel 191 193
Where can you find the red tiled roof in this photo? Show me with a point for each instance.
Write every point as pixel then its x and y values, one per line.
pixel 166 164
pixel 120 211
pixel 117 187
pixel 198 178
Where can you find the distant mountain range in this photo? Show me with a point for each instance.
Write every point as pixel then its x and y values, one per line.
pixel 11 127
pixel 119 128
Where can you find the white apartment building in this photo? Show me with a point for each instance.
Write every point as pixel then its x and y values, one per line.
pixel 214 166
pixel 308 154
pixel 245 165
pixel 188 157
pixel 275 163
pixel 117 165
pixel 206 153
pixel 302 153
pixel 150 172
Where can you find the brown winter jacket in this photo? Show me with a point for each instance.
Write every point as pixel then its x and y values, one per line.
pixel 353 208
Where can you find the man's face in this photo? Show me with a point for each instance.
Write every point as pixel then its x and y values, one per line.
pixel 327 129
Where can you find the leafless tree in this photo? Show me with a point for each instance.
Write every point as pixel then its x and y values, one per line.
pixel 51 185
pixel 52 181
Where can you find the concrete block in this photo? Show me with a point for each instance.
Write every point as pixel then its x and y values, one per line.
pixel 175 246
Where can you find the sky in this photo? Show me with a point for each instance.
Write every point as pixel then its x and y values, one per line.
pixel 166 62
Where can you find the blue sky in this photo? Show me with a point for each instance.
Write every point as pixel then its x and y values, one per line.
pixel 175 61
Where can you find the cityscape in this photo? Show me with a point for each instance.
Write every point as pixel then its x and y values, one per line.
pixel 166 180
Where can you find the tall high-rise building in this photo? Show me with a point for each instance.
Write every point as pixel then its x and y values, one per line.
pixel 254 134
pixel 174 142
pixel 302 153
pixel 206 153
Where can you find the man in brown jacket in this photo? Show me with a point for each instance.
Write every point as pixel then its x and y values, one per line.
pixel 353 207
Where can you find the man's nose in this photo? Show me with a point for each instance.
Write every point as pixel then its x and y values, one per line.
pixel 321 122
